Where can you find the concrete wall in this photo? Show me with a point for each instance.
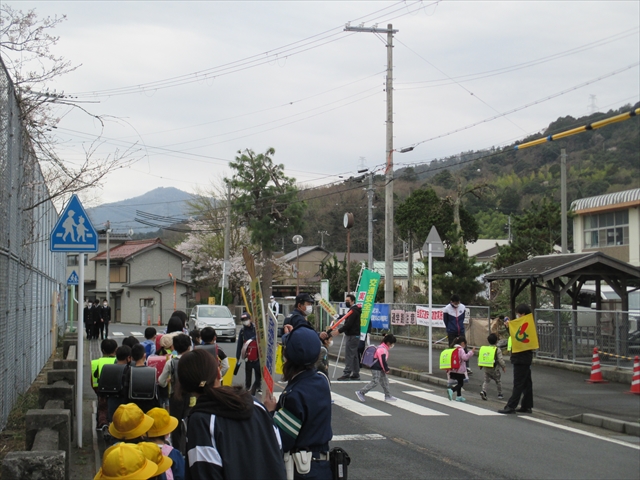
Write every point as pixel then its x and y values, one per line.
pixel 163 303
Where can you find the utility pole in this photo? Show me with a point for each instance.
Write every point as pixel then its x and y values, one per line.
pixel 227 240
pixel 563 200
pixel 388 209
pixel 108 280
pixel 370 221
pixel 322 234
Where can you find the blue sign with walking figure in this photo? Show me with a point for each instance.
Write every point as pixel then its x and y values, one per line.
pixel 74 231
pixel 73 279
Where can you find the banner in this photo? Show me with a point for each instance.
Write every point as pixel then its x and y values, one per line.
pixel 366 296
pixel 263 334
pixel 380 316
pixel 397 317
pixel 523 334
pixel 422 316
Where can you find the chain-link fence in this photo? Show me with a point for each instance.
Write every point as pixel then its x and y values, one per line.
pixel 571 335
pixel 32 290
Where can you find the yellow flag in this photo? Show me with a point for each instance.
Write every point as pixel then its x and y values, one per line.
pixel 523 334
pixel 279 360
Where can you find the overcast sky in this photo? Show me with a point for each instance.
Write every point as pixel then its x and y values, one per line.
pixel 285 75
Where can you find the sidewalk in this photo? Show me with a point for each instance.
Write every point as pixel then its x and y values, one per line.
pixel 557 391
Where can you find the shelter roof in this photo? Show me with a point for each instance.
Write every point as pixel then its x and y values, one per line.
pixel 609 201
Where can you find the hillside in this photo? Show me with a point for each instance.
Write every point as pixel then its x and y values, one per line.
pixel 163 201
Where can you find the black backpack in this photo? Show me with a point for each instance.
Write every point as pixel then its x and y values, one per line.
pixel 113 380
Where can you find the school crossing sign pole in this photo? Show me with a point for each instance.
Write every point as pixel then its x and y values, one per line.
pixel 74 233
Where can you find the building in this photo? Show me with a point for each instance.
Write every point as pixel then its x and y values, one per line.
pixel 609 224
pixel 146 281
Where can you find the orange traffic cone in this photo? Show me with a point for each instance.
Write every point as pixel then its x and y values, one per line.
pixel 596 374
pixel 148 321
pixel 635 380
pixel 159 321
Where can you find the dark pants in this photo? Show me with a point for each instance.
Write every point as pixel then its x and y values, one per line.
pixel 102 411
pixel 100 330
pixel 458 377
pixel 351 359
pixel 319 471
pixel 106 329
pixel 522 386
pixel 89 328
pixel 179 408
pixel 248 368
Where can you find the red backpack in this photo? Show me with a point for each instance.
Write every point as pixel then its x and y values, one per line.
pixel 455 359
pixel 250 350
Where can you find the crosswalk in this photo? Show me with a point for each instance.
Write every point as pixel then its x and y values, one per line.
pixel 133 334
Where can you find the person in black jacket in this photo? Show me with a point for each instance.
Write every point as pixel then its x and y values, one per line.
pixel 522 384
pixel 229 433
pixel 351 330
pixel 105 313
pixel 248 348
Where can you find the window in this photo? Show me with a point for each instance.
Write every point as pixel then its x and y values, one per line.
pixel 72 260
pixel 606 229
pixel 118 274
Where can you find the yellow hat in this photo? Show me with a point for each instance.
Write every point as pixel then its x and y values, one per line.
pixel 124 461
pixel 163 423
pixel 129 422
pixel 152 452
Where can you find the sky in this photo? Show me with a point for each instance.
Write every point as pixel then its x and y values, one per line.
pixel 183 86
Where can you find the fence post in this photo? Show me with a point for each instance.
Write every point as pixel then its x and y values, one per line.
pixel 574 332
pixel 617 327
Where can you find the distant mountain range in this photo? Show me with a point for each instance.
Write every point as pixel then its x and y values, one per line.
pixel 163 202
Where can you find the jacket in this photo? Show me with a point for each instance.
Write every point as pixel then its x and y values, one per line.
pixel 246 333
pixel 229 444
pixel 463 359
pixel 351 325
pixel 453 319
pixel 296 319
pixel 380 358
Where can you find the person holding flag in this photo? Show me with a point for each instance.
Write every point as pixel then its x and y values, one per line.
pixel 524 340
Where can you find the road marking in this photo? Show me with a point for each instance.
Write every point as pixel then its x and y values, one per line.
pixel 457 405
pixel 137 334
pixel 117 334
pixel 582 432
pixel 408 406
pixel 365 436
pixel 357 407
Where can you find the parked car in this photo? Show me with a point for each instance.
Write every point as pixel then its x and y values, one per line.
pixel 216 316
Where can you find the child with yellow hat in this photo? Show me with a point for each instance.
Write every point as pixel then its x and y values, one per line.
pixel 163 425
pixel 152 452
pixel 130 423
pixel 125 461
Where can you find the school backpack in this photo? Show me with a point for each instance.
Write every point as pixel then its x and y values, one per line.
pixel 250 350
pixel 455 359
pixel 450 359
pixel 158 362
pixel 369 356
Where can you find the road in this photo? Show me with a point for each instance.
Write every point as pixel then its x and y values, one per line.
pixel 424 435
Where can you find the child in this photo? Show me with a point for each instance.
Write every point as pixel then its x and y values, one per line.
pixel 459 374
pixel 153 453
pixel 490 358
pixel 380 369
pixel 108 348
pixel 322 365
pixel 149 344
pixel 163 425
pixel 195 337
pixel 130 423
pixel 136 464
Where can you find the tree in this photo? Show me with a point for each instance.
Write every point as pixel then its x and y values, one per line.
pixel 335 271
pixel 268 202
pixel 535 232
pixel 26 46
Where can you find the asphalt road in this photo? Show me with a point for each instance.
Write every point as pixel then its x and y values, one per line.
pixel 424 435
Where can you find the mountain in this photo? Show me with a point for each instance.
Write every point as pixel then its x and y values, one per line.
pixel 163 201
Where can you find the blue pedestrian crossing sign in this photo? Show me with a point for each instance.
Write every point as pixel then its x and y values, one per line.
pixel 74 231
pixel 73 279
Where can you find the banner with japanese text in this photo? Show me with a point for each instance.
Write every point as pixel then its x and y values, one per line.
pixel 380 316
pixel 366 296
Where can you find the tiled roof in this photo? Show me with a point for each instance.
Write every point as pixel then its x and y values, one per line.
pixel 610 199
pixel 303 250
pixel 132 247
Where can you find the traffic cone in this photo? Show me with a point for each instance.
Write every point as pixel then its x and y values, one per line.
pixel 635 380
pixel 148 321
pixel 596 374
pixel 159 321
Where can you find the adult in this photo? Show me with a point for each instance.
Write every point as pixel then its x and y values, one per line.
pixel 184 318
pixel 351 329
pixel 453 318
pixel 247 350
pixel 229 433
pixel 522 384
pixel 106 317
pixel 303 411
pixel 274 306
pixel 96 319
pixel 303 306
pixel 88 319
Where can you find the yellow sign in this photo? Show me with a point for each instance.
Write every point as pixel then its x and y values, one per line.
pixel 227 380
pixel 212 300
pixel 279 360
pixel 523 334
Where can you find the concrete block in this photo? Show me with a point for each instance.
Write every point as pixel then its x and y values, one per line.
pixel 68 376
pixel 54 404
pixel 595 420
pixel 613 424
pixel 43 465
pixel 72 353
pixel 56 420
pixel 65 364
pixel 67 342
pixel 45 439
pixel 631 428
pixel 59 391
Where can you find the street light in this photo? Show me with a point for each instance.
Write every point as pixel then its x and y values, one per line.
pixel 348 223
pixel 297 239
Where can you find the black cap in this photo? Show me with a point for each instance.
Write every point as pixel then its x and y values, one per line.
pixel 302 298
pixel 245 316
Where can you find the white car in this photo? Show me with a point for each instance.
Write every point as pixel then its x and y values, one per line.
pixel 217 316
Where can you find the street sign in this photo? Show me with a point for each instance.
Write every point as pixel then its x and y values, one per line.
pixel 73 278
pixel 437 247
pixel 74 231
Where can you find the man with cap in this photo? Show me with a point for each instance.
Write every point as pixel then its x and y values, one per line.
pixel 303 411
pixel 274 306
pixel 247 350
pixel 303 308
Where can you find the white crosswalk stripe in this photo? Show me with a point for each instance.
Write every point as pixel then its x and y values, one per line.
pixel 356 407
pixel 465 407
pixel 117 334
pixel 137 334
pixel 408 406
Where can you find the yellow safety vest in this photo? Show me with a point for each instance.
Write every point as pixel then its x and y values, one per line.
pixel 509 344
pixel 96 368
pixel 487 356
pixel 445 359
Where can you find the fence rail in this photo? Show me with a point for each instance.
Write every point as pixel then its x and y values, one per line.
pixel 31 277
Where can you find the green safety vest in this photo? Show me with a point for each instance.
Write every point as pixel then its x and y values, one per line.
pixel 96 368
pixel 445 359
pixel 509 344
pixel 487 356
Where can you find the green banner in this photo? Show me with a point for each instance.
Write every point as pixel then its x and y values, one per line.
pixel 366 297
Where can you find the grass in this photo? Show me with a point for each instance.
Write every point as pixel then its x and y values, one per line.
pixel 12 438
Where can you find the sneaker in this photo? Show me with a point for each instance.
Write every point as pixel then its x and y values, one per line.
pixel 461 399
pixel 450 394
pixel 500 396
pixel 355 378
pixel 483 394
pixel 469 371
pixel 344 378
pixel 389 398
pixel 360 396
